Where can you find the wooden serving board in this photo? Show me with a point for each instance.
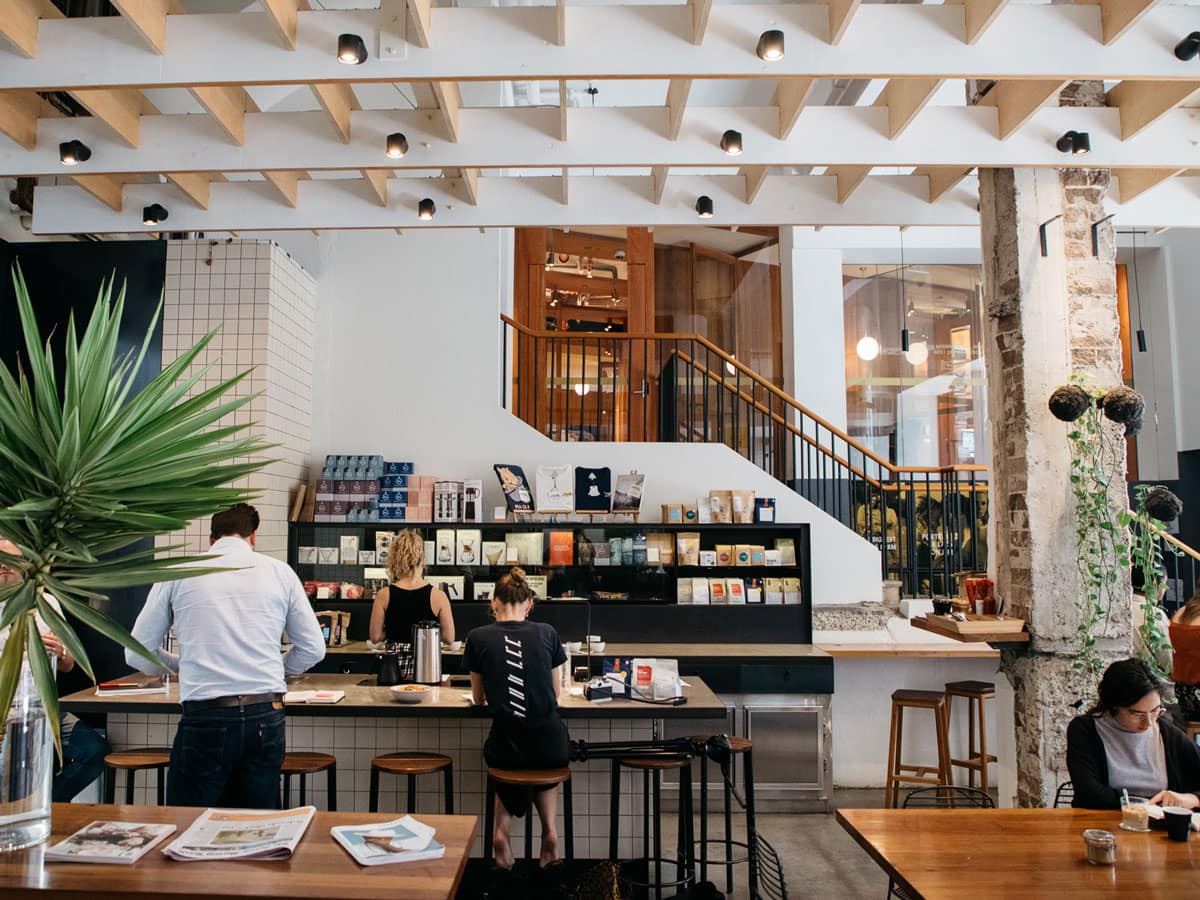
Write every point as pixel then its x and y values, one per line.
pixel 991 629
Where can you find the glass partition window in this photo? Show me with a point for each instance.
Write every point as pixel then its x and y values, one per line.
pixel 915 388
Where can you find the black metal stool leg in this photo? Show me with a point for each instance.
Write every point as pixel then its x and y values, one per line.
pixel 412 793
pixel 529 830
pixel 657 834
pixel 331 788
pixel 303 789
pixel 489 818
pixel 450 790
pixel 704 817
pixel 614 811
pixel 751 828
pixel 160 792
pixel 729 832
pixel 686 866
pixel 374 801
pixel 569 818
pixel 129 786
pixel 110 785
pixel 646 819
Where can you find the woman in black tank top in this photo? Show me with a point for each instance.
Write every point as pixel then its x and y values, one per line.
pixel 409 598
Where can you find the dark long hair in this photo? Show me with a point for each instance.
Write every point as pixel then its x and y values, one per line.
pixel 1123 684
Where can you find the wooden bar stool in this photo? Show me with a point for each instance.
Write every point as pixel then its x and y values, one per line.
pixel 652 770
pixel 974 692
pixel 744 747
pixel 412 764
pixel 1192 728
pixel 530 778
pixel 131 762
pixel 305 764
pixel 900 772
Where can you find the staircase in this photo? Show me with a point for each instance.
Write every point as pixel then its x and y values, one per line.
pixel 929 524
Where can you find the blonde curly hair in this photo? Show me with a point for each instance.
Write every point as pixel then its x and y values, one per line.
pixel 406 555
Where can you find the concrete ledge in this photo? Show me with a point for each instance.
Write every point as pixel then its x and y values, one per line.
pixel 852 617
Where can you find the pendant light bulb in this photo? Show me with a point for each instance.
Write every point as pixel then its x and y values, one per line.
pixel 426 209
pixel 770 45
pixel 71 153
pixel 704 206
pixel 731 142
pixel 351 50
pixel 397 145
pixel 867 349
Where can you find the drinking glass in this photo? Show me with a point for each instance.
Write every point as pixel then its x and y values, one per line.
pixel 1135 813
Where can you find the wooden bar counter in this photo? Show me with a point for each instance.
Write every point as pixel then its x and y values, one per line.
pixel 318 868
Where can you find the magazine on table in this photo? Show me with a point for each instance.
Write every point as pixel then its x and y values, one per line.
pixel 119 843
pixel 242 834
pixel 313 696
pixel 133 684
pixel 400 840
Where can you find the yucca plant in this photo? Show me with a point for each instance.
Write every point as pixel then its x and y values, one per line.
pixel 89 468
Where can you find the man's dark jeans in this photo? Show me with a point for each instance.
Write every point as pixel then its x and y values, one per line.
pixel 227 756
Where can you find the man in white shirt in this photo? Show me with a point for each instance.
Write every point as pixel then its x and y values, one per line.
pixel 228 626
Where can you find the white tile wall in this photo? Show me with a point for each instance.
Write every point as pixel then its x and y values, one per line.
pixel 354 741
pixel 263 302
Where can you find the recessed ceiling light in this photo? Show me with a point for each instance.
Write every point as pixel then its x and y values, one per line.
pixel 731 142
pixel 351 50
pixel 704 206
pixel 770 45
pixel 72 153
pixel 397 145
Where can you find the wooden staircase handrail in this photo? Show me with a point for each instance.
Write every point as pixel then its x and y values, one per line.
pixel 1179 545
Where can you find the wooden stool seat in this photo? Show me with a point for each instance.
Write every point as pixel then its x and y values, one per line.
pixel 529 777
pixel 306 763
pixel 971 688
pixel 736 744
pixel 414 763
pixel 411 763
pixel 136 760
pixel 900 772
pixel 1192 728
pixel 660 764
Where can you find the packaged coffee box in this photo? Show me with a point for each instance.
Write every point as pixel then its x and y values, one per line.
pixel 724 555
pixel 704 511
pixel 773 591
pixel 672 514
pixel 700 595
pixel 758 555
pixel 764 509
pixel 708 558
pixel 664 542
pixel 468 547
pixel 683 589
pixel 445 540
pixel 787 551
pixel 690 516
pixel 742 555
pixel 431 553
pixel 754 590
pixel 791 592
pixel 688 544
pixel 735 590
pixel 717 591
pixel 721 506
pixel 742 504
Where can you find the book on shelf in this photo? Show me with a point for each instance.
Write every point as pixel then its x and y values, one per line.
pixel 313 696
pixel 562 548
pixel 133 684
pixel 383 843
pixel 242 834
pixel 114 843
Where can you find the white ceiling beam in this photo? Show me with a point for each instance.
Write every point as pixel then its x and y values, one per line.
pixel 19 22
pixel 849 179
pixel 658 183
pixel 1015 102
pixel 840 14
pixel 19 117
pixel 791 95
pixel 286 185
pixel 607 136
pixel 904 98
pixel 677 97
pixel 498 43
pixel 195 184
pixel 978 15
pixel 120 110
pixel 149 19
pixel 793 200
pixel 942 178
pixel 449 101
pixel 420 14
pixel 338 102
pixel 1144 102
pixel 1118 16
pixel 755 176
pixel 378 179
pixel 701 11
pixel 1134 182
pixel 228 106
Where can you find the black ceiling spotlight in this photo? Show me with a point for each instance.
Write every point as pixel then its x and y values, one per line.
pixel 397 145
pixel 1189 47
pixel 351 50
pixel 153 214
pixel 704 206
pixel 770 45
pixel 71 153
pixel 426 209
pixel 1077 143
pixel 731 142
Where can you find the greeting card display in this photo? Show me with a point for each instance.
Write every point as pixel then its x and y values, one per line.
pixel 628 495
pixel 593 489
pixel 515 487
pixel 555 489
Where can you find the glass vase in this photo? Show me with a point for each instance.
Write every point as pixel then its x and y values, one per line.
pixel 26 768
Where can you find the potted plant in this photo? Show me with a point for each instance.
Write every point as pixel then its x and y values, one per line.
pixel 88 470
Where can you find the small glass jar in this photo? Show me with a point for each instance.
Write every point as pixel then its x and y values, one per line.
pixel 1101 847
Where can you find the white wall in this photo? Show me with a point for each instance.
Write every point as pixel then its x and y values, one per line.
pixel 407 360
pixel 1183 286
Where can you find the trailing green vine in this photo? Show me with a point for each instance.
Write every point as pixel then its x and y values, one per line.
pixel 1154 508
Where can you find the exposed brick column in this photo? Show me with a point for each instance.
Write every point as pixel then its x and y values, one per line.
pixel 1045 319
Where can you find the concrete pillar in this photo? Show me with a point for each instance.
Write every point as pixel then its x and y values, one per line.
pixel 814 362
pixel 1046 317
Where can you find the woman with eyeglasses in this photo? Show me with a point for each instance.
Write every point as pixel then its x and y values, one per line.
pixel 1124 742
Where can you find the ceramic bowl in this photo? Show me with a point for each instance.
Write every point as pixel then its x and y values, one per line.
pixel 597 646
pixel 411 693
pixel 574 646
pixel 452 646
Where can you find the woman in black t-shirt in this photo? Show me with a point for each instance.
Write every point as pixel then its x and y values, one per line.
pixel 516 669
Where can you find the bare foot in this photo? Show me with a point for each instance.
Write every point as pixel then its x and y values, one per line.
pixel 549 848
pixel 502 850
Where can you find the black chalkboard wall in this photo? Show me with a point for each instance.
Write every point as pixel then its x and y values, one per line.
pixel 63 278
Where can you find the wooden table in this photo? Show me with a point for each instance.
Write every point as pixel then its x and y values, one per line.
pixel 318 868
pixel 1026 853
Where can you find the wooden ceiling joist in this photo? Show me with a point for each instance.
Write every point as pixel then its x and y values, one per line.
pixel 755 176
pixel 149 19
pixel 848 179
pixel 108 189
pixel 942 178
pixel 119 109
pixel 565 185
pixel 283 15
pixel 1132 182
pixel 658 183
pixel 470 183
pixel 420 17
pixel 19 22
pixel 1017 101
pixel 338 101
pixel 978 15
pixel 1118 16
pixel 19 116
pixel 700 10
pixel 790 96
pixel 378 179
pixel 904 98
pixel 228 106
pixel 677 97
pixel 449 101
pixel 840 14
pixel 562 110
pixel 1143 102
pixel 195 184
pixel 287 184
pixel 560 22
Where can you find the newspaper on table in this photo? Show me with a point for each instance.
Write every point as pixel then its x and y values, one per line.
pixel 400 840
pixel 242 834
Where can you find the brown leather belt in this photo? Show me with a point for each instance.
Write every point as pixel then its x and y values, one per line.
pixel 235 700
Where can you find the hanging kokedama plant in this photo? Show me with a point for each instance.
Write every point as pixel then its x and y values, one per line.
pixel 1069 402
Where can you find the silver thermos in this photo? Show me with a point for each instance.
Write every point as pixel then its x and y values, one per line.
pixel 427 652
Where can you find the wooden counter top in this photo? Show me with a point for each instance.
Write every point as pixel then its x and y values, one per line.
pixel 365 699
pixel 663 649
pixel 910 651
